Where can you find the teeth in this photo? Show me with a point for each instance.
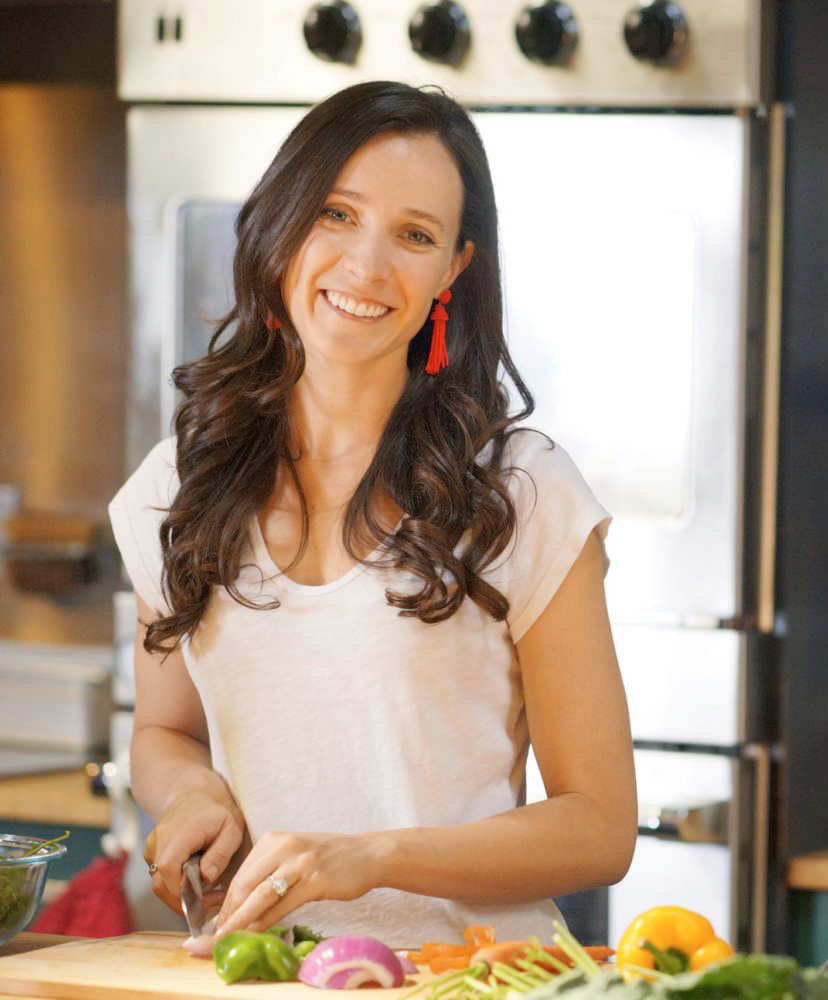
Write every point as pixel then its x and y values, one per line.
pixel 354 307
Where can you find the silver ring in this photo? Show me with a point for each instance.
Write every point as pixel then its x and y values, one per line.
pixel 277 884
pixel 153 868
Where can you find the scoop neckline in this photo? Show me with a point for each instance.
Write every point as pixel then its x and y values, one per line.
pixel 273 572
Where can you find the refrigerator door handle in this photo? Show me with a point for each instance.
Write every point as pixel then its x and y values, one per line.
pixel 699 823
pixel 760 755
pixel 766 610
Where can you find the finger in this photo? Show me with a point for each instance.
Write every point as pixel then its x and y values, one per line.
pixel 170 864
pixel 172 854
pixel 217 856
pixel 297 895
pixel 264 859
pixel 213 898
pixel 165 882
pixel 255 908
pixel 170 899
pixel 235 863
pixel 149 848
pixel 276 914
pixel 168 882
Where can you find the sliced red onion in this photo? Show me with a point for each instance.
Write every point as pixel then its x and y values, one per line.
pixel 408 967
pixel 202 946
pixel 350 961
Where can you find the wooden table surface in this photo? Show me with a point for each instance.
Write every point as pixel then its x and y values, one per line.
pixel 25 942
pixel 141 966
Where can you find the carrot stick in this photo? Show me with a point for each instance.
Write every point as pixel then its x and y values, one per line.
pixel 441 956
pixel 434 949
pixel 503 951
pixel 448 962
pixel 477 935
pixel 508 952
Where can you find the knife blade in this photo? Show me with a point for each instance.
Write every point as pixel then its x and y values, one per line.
pixel 192 893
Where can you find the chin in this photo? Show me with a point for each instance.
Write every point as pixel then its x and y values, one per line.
pixel 353 353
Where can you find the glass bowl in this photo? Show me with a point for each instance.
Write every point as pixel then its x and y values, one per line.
pixel 22 880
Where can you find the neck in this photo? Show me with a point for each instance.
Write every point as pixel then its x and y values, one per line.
pixel 340 411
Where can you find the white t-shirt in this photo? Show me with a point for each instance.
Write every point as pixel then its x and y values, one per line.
pixel 332 713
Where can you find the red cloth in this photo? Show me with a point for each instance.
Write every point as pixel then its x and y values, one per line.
pixel 92 905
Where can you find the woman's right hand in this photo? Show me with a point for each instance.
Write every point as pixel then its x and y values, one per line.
pixel 172 774
pixel 207 819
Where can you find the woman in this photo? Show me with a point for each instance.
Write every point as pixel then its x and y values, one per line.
pixel 361 590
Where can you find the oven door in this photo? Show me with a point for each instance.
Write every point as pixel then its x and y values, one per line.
pixel 189 170
pixel 623 248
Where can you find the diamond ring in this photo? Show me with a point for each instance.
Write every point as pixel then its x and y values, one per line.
pixel 277 884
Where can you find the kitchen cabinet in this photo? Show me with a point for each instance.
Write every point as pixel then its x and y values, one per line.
pixel 61 798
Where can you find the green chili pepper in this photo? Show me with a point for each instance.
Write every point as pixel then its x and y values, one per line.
pixel 247 955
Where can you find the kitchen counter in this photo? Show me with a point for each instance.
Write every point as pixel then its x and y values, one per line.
pixel 24 942
pixel 31 942
pixel 62 798
pixel 139 966
pixel 809 871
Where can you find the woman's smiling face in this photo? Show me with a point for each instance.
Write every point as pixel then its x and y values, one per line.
pixel 383 248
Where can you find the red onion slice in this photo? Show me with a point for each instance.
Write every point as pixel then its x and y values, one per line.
pixel 350 961
pixel 408 967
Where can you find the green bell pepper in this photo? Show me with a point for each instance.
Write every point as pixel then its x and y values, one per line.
pixel 303 948
pixel 247 955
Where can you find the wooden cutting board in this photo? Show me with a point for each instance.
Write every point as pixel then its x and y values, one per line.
pixel 143 965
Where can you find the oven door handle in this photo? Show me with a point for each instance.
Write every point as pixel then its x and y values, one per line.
pixel 699 823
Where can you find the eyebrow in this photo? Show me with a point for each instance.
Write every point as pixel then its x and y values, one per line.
pixel 419 213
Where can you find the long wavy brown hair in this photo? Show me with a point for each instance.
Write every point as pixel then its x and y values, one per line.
pixel 440 457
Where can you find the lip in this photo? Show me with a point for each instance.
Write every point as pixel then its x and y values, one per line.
pixel 358 298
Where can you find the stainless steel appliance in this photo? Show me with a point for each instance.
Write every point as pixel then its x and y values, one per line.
pixel 637 168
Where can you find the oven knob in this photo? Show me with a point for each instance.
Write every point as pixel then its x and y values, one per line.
pixel 332 31
pixel 547 33
pixel 656 33
pixel 440 32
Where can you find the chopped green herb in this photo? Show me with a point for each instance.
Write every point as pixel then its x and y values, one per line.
pixel 17 885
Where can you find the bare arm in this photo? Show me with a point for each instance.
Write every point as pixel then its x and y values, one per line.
pixel 582 835
pixel 171 773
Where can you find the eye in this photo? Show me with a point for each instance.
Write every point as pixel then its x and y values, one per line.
pixel 334 214
pixel 419 236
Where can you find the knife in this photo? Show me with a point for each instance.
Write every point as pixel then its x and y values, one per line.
pixel 192 895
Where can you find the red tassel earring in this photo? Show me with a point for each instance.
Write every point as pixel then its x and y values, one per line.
pixel 438 355
pixel 272 322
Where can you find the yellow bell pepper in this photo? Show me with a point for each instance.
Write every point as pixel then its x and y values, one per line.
pixel 669 939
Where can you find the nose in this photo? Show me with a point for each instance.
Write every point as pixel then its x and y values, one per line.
pixel 367 258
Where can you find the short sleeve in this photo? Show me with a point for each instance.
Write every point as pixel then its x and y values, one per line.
pixel 556 512
pixel 136 512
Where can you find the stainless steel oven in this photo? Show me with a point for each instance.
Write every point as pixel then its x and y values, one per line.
pixel 631 151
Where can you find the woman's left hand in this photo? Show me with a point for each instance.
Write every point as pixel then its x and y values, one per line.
pixel 314 866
